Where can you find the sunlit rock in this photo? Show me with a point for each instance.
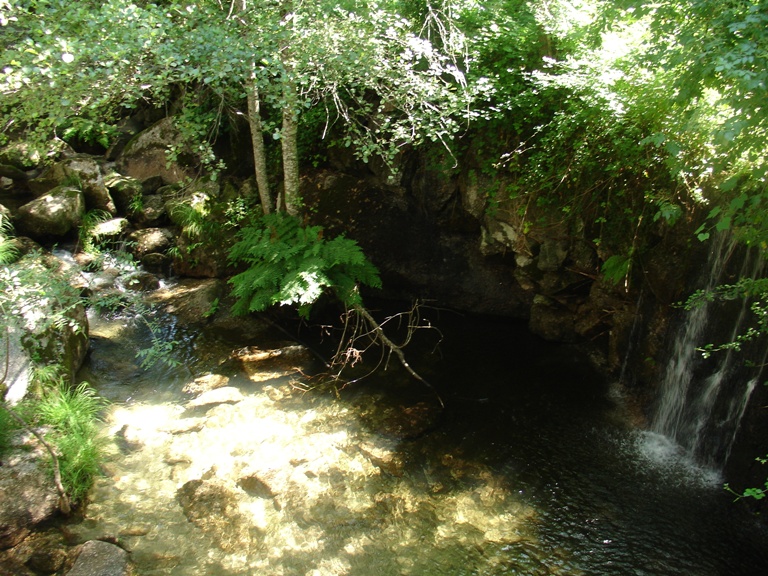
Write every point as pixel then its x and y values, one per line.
pixel 110 230
pixel 146 155
pixel 54 214
pixel 150 241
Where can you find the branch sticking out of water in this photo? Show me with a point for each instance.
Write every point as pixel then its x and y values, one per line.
pixel 364 326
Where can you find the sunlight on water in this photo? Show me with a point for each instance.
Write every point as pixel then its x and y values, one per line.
pixel 299 493
pixel 260 475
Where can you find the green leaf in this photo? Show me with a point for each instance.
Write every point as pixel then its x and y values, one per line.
pixel 616 268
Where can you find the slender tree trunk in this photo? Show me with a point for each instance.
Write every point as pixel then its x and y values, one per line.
pixel 288 136
pixel 290 151
pixel 257 142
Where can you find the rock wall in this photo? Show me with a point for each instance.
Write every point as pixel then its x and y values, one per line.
pixel 437 234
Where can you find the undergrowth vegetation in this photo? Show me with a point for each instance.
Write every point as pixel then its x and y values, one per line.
pixel 295 265
pixel 71 414
pixel 36 301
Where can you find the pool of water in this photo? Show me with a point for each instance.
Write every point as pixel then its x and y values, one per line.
pixel 531 469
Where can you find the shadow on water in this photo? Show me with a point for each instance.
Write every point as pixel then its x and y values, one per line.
pixel 530 469
pixel 535 419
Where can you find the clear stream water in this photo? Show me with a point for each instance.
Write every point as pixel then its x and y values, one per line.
pixel 532 469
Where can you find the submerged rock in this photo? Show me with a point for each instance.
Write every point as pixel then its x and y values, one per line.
pixel 206 383
pixel 101 559
pixel 226 395
pixel 403 422
pixel 261 364
pixel 213 506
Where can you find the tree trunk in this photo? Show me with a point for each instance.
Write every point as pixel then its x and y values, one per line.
pixel 257 142
pixel 290 151
pixel 288 136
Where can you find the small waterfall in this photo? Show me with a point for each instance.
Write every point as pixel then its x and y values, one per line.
pixel 701 401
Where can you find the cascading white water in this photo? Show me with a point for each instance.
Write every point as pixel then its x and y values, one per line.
pixel 701 403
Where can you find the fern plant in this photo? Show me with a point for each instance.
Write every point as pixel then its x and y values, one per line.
pixel 291 264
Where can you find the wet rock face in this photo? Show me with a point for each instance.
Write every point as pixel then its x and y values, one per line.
pixel 415 254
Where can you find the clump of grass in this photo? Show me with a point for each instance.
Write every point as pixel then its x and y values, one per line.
pixel 7 426
pixel 72 415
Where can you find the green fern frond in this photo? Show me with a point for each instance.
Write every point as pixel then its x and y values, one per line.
pixel 295 265
pixel 8 251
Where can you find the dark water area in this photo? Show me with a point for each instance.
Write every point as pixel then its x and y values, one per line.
pixel 608 499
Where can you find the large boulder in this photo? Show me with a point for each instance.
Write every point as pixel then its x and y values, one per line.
pixel 82 171
pixel 146 155
pixel 203 260
pixel 27 494
pixel 125 191
pixel 150 211
pixel 49 323
pixel 192 301
pixel 151 241
pixel 54 214
pixel 20 156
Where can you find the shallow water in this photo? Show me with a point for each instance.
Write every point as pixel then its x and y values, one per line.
pixel 532 469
